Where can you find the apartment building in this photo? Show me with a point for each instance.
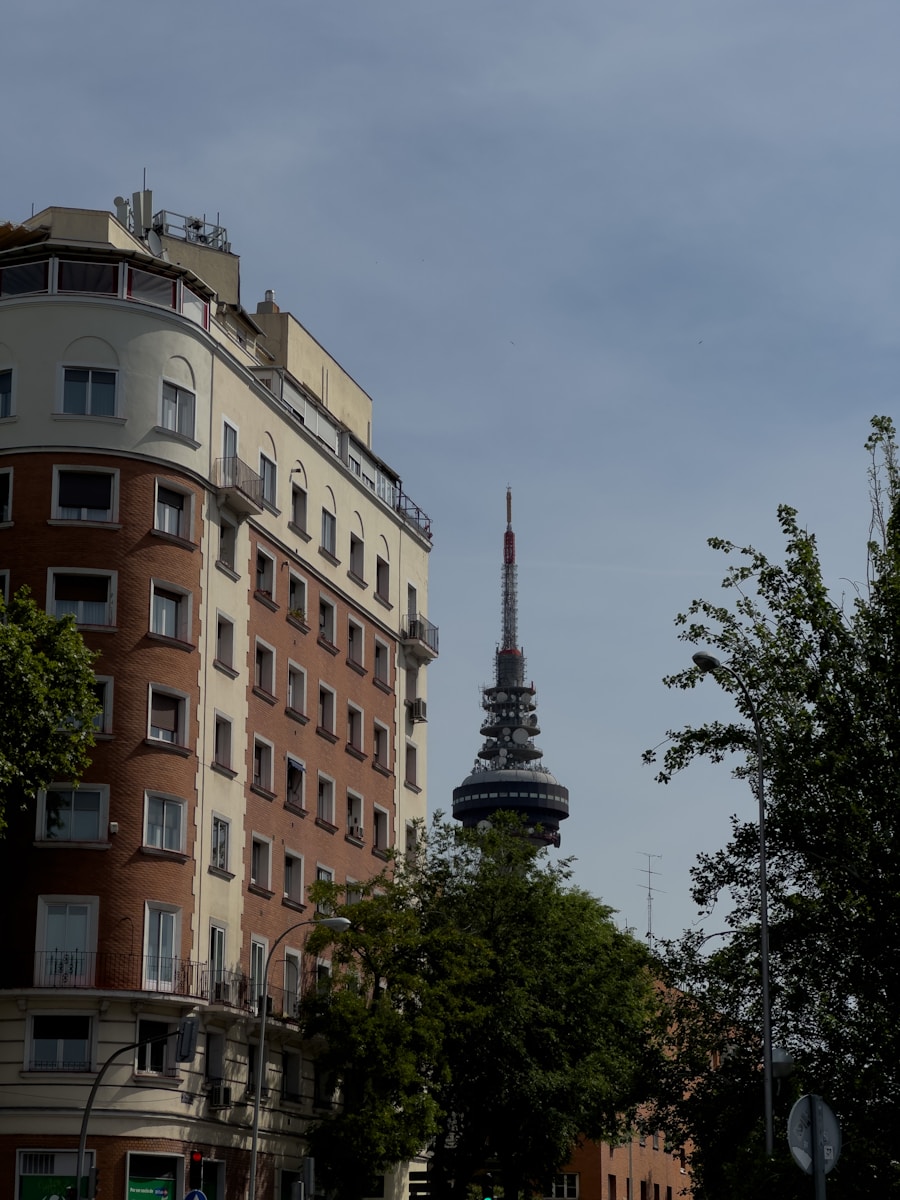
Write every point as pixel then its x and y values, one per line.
pixel 196 485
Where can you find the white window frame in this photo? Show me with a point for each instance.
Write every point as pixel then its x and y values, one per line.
pixel 381 828
pixel 268 472
pixel 58 965
pixel 296 688
pixel 356 724
pixel 298 597
pixel 356 643
pixel 355 814
pixel 181 731
pixel 264 667
pixel 325 799
pixel 329 533
pixel 380 730
pixel 231 539
pixel 296 893
pixel 92 369
pixel 168 802
pixel 357 566
pixel 326 708
pixel 265 843
pixel 8 407
pixel 327 620
pixel 112 511
pixel 42 833
pixel 291 797
pixel 411 779
pixel 218 956
pixel 183 404
pixel 229 428
pixel 112 577
pixel 185 521
pixel 223 621
pixel 299 508
pixel 60 1063
pixel 264 778
pixel 222 721
pixel 266 576
pixel 382 653
pixel 259 987
pixel 104 686
pixel 220 842
pixel 160 970
pixel 165 592
pixel 6 513
pixel 383 579
pixel 324 875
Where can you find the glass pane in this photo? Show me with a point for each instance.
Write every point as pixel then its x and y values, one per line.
pixel 75 391
pixel 103 393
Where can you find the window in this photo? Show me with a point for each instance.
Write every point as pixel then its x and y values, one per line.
pixel 293 877
pixel 326 621
pixel 221 836
pixel 168 717
pixel 172 512
pixel 89 392
pixel 214 1059
pixel 229 440
pixel 329 533
pixel 87 596
pixel 380 745
pixel 4 586
pixel 177 410
pixel 155 1056
pixel 84 495
pixel 412 602
pixel 263 754
pixel 294 782
pixel 292 1075
pixel 100 278
pixel 611 1187
pixel 70 814
pixel 224 641
pixel 325 800
pixel 354 816
pixel 6 404
pixel 257 987
pixel 326 709
pixel 298 508
pixel 381 834
pixel 265 574
pixel 222 742
pixel 357 557
pixel 382 664
pixel 297 598
pixel 264 668
pixel 382 579
pixel 170 612
pixel 324 875
pixel 227 544
pixel 6 481
pixel 292 979
pixel 261 862
pixel 103 689
pixel 164 822
pixel 296 688
pixel 564 1187
pixel 216 963
pixel 354 727
pixel 411 775
pixel 355 643
pixel 60 1043
pixel 268 472
pixel 161 941
pixel 66 940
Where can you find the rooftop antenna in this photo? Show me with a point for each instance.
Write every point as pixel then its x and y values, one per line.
pixel 650 891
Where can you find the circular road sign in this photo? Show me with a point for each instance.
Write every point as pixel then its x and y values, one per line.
pixel 800 1134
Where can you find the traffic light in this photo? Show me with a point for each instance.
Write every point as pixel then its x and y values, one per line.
pixel 487 1187
pixel 93 1182
pixel 195 1170
pixel 186 1039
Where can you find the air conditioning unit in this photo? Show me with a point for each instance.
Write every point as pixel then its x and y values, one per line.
pixel 356 832
pixel 219 1096
pixel 417 710
pixel 222 991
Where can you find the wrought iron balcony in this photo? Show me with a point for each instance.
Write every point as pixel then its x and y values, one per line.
pixel 239 486
pixel 419 637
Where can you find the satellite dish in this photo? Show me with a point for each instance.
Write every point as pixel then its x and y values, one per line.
pixel 155 243
pixel 483 826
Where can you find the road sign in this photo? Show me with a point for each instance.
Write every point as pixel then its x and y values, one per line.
pixel 196 1194
pixel 812 1121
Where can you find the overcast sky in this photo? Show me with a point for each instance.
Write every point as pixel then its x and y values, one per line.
pixel 635 259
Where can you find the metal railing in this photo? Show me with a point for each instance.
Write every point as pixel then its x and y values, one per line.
pixel 419 628
pixel 233 472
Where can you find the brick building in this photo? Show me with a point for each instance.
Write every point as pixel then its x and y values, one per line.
pixel 197 485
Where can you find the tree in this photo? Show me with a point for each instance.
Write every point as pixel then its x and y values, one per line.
pixel 49 701
pixel 825 676
pixel 482 1007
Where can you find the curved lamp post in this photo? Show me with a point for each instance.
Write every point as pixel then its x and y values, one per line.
pixel 339 925
pixel 709 664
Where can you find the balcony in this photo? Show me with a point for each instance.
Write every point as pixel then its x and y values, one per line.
pixel 419 637
pixel 238 485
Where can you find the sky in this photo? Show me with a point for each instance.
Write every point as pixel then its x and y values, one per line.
pixel 635 259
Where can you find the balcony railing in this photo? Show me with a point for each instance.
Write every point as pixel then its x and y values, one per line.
pixel 420 636
pixel 239 484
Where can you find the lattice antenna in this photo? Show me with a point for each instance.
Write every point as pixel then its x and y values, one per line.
pixel 651 890
pixel 510 639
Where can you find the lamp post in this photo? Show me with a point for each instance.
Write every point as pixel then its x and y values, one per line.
pixel 339 925
pixel 709 664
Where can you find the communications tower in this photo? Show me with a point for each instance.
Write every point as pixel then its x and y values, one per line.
pixel 508 774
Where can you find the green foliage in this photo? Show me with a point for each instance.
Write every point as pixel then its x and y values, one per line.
pixel 825 676
pixel 49 702
pixel 484 1008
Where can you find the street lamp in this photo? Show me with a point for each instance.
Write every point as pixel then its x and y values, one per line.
pixel 709 664
pixel 339 925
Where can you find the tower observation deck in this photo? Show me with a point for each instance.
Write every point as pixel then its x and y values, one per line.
pixel 508 774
